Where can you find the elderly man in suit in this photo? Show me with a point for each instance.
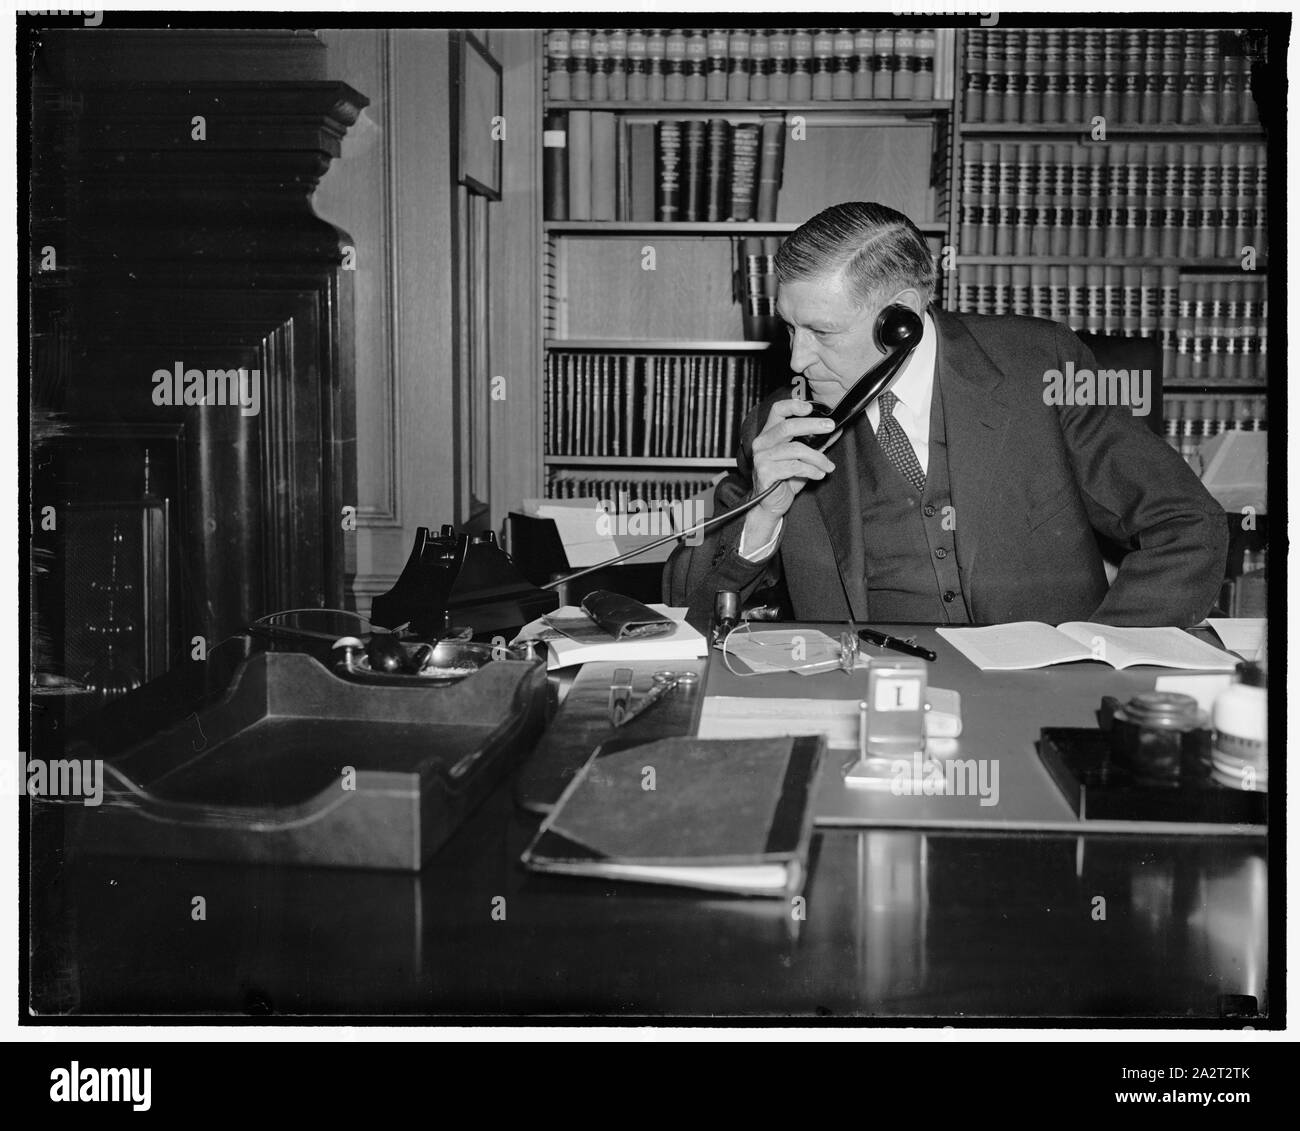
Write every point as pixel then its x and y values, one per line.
pixel 967 493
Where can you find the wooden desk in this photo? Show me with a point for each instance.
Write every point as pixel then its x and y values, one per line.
pixel 899 923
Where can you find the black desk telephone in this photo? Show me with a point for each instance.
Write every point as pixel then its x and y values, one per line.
pixel 457 580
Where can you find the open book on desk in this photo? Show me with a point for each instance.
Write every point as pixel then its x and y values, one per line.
pixel 1023 645
pixel 725 815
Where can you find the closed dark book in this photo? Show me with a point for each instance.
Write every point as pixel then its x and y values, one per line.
pixel 976 77
pixel 744 171
pixel 771 160
pixel 668 170
pixel 555 165
pixel 694 171
pixel 732 815
pixel 717 153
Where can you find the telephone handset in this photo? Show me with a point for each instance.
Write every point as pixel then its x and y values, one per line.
pixel 898 331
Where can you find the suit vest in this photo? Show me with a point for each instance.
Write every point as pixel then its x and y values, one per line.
pixel 909 536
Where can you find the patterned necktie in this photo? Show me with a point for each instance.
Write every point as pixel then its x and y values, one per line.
pixel 896 445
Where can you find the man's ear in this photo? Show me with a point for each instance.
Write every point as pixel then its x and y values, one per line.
pixel 911 298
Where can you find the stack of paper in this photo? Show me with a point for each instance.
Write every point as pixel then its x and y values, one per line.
pixel 590 644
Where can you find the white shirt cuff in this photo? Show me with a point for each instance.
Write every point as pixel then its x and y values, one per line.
pixel 763 552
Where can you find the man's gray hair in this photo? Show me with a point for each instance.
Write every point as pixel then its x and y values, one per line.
pixel 877 248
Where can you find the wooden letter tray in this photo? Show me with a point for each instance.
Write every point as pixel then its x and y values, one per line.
pixel 263 775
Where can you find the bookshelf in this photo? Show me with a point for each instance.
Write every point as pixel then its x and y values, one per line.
pixel 670 297
pixel 1126 169
pixel 1133 229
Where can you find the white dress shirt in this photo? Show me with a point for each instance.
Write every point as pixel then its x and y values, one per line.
pixel 913 385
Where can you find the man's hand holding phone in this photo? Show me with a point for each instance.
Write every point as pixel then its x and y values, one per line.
pixel 781 458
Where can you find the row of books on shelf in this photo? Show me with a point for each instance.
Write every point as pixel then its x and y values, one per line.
pixel 1190 421
pixel 628 493
pixel 1131 76
pixel 1157 200
pixel 651 405
pixel 597 166
pixel 748 64
pixel 1211 328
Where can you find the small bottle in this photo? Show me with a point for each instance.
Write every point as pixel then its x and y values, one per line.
pixel 1239 747
pixel 726 615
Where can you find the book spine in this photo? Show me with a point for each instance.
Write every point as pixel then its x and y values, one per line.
pixel 617 65
pixel 823 64
pixel 1097 198
pixel 656 61
pixel 1027 172
pixel 668 171
pixel 907 66
pixel 778 87
pixel 1113 224
pixel 1112 74
pixel 1031 108
pixel 1003 218
pixel 604 166
pixel 579 148
pixel 843 65
pixel 717 178
pixel 988 197
pixel 771 158
pixel 927 48
pixel 1072 76
pixel 557 65
pixel 599 66
pixel 1132 54
pixel 885 63
pixel 675 66
pixel 800 65
pixel 555 165
pixel 975 82
pixel 759 66
pixel 744 171
pixel 636 65
pixel 995 66
pixel 1013 66
pixel 1171 65
pixel 1153 217
pixel 1093 80
pixel 580 65
pixel 715 66
pixel 694 177
pixel 694 66
pixel 1134 212
pixel 1053 75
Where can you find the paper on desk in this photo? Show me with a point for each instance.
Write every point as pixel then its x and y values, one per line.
pixel 739 716
pixel 683 643
pixel 1247 636
pixel 578 523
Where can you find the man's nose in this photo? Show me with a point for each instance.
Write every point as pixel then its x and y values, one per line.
pixel 802 354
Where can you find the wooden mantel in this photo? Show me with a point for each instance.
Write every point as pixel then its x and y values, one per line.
pixel 173 176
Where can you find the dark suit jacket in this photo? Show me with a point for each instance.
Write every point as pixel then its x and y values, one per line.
pixel 1032 486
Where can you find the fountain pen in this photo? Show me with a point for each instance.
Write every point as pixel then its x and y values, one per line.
pixel 884 640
